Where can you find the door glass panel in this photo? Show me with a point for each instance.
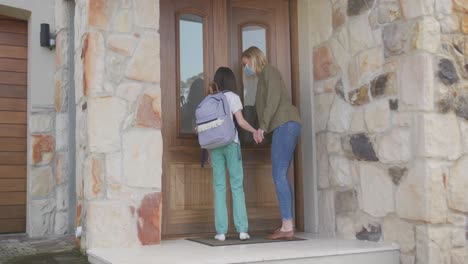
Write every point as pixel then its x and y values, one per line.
pixel 191 67
pixel 252 36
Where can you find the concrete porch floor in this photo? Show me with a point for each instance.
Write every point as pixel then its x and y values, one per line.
pixel 314 250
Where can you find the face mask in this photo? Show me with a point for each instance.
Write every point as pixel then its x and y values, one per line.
pixel 248 71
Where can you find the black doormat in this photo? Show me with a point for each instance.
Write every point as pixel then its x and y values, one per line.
pixel 234 240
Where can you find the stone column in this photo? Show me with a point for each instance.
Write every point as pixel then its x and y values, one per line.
pixel 390 123
pixel 118 106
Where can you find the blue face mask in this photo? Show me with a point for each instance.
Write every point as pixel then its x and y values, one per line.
pixel 248 71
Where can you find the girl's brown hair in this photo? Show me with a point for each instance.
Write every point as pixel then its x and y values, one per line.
pixel 256 56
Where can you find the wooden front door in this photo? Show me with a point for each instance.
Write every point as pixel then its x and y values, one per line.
pixel 198 36
pixel 13 107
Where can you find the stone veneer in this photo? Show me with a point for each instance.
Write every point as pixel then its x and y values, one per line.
pixel 49 176
pixel 118 108
pixel 391 123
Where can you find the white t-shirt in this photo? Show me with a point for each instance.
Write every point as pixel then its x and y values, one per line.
pixel 235 105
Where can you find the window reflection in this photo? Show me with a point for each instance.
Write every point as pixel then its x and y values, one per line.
pixel 190 68
pixel 252 36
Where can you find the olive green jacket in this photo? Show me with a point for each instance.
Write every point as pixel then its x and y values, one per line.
pixel 272 101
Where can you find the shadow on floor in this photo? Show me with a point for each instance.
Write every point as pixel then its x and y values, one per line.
pixel 66 257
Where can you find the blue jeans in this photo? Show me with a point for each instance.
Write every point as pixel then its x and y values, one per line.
pixel 282 151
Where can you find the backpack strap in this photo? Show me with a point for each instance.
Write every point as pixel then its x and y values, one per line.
pixel 203 157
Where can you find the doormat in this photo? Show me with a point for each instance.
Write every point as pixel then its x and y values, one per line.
pixel 232 240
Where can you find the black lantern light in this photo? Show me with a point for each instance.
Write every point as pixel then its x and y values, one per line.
pixel 47 39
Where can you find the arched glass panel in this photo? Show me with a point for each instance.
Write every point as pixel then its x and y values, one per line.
pixel 252 35
pixel 191 69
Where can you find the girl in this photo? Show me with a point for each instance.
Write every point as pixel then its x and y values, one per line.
pixel 230 154
pixel 275 114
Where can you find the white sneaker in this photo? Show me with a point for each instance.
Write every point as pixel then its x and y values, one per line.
pixel 244 236
pixel 220 237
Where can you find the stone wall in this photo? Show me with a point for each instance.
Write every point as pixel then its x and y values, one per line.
pixel 49 177
pixel 118 111
pixel 391 118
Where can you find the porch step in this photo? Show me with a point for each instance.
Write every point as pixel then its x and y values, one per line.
pixel 314 250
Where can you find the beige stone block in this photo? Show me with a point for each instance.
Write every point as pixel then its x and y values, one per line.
pixel 357 122
pixel 427 35
pixel 416 8
pixel 42 222
pixel 395 146
pixel 464 135
pixel 61 168
pixel 464 24
pixel 340 171
pixel 437 135
pixel 322 105
pixel 41 181
pixel 110 224
pixel 40 123
pixel 147 13
pixel 149 109
pixel 114 167
pixel 416 74
pixel 122 44
pixel 61 131
pixel 444 7
pixel 370 62
pixel 340 116
pixel 333 141
pixel 457 219
pixel 142 158
pixel 61 223
pixel 345 227
pixel 432 245
pixel 458 185
pixel 377 197
pixel 459 256
pixel 145 63
pixel 377 116
pixel 93 63
pixel 449 24
pixel 322 161
pixel 129 91
pixel 63 194
pixel 400 232
pixel 422 196
pixel 94 177
pixel 123 21
pixel 323 64
pixel 42 149
pixel 100 13
pixel 360 34
pixel 340 51
pixel 326 212
pixel 458 237
pixel 407 258
pixel 105 117
pixel 461 5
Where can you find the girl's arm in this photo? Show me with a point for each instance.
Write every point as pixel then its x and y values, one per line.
pixel 243 123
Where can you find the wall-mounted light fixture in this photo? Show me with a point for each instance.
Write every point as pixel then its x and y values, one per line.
pixel 47 39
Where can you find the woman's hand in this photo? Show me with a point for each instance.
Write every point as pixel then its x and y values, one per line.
pixel 259 136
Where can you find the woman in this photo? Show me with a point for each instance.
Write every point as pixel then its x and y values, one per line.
pixel 276 115
pixel 225 82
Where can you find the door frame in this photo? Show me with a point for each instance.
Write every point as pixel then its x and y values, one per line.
pixel 221 57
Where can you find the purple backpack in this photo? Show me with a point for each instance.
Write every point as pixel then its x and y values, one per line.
pixel 215 125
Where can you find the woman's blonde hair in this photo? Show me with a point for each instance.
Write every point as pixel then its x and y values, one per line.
pixel 256 56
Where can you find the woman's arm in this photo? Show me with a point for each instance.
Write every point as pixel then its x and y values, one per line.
pixel 243 123
pixel 273 96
